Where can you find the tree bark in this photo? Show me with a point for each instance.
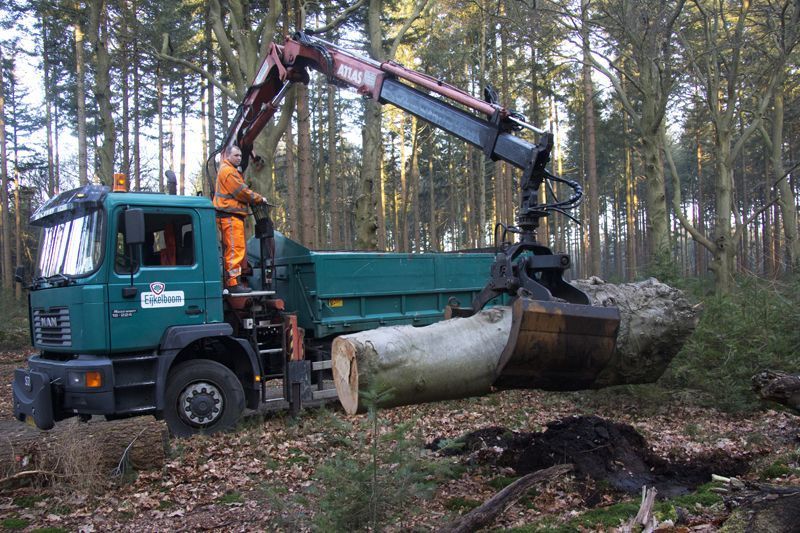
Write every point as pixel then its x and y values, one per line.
pixel 74 448
pixel 459 358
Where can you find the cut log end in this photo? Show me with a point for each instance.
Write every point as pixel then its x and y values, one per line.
pixel 345 374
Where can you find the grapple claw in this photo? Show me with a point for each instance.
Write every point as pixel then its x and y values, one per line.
pixel 556 346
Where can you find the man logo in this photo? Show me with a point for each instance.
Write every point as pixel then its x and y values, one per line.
pixel 157 287
pixel 49 322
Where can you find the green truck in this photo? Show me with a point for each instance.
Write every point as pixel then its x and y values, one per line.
pixel 126 325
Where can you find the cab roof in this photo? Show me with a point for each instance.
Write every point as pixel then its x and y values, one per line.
pixel 91 197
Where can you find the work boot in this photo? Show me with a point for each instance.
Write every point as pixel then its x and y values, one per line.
pixel 239 289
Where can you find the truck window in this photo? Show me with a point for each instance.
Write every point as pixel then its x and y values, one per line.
pixel 169 241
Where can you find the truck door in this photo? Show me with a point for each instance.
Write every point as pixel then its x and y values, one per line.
pixel 168 279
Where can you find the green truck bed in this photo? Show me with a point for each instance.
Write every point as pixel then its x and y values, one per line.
pixel 343 292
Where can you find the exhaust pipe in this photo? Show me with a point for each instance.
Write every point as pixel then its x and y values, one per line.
pixel 172 182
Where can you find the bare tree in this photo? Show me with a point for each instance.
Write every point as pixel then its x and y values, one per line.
pixel 718 53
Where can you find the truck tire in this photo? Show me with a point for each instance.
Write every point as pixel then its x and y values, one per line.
pixel 202 396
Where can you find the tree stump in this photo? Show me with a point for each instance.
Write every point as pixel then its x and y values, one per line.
pixel 778 387
pixel 458 358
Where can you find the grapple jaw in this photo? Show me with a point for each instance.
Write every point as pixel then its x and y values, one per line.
pixel 558 340
pixel 556 346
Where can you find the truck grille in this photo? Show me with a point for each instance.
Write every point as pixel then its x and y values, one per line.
pixel 51 327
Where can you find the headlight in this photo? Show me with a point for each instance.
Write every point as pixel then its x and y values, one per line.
pixel 89 380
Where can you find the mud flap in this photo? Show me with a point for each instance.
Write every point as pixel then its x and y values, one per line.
pixel 556 346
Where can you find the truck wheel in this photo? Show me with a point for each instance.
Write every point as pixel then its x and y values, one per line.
pixel 202 396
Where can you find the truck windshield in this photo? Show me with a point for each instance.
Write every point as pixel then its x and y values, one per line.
pixel 72 246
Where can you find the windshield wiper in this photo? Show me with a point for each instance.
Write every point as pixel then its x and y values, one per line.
pixel 56 278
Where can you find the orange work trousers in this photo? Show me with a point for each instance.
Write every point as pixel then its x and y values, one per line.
pixel 233 247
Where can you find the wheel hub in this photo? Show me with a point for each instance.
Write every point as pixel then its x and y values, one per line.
pixel 201 403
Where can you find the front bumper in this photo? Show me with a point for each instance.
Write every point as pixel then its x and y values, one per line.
pixel 41 392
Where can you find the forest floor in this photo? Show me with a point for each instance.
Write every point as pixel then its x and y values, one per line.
pixel 269 474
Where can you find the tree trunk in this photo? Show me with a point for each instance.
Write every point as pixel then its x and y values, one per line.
pixel 17 232
pixel 293 216
pixel 591 150
pixel 160 112
pixel 212 109
pixel 307 231
pixel 333 170
pixel 4 221
pixel 182 163
pixel 786 198
pixel 124 43
pixel 48 99
pixel 74 449
pixel 459 358
pixel 98 36
pixel 432 234
pixel 137 158
pixel 416 223
pixel 80 96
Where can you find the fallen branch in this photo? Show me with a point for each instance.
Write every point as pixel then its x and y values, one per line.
pixel 485 514
pixel 644 517
pixel 13 480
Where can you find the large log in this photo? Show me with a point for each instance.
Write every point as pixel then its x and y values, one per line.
pixel 458 358
pixel 655 322
pixel 81 451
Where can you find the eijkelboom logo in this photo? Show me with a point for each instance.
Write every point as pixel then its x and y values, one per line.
pixel 157 287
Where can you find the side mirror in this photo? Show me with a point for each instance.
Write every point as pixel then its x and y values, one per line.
pixel 19 274
pixel 134 226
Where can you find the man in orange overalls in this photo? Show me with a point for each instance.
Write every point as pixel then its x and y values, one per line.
pixel 231 199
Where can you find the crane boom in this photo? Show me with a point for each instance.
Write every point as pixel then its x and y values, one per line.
pixel 386 83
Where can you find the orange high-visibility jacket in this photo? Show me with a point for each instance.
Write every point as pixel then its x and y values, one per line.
pixel 232 195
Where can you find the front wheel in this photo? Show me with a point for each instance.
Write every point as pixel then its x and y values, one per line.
pixel 202 396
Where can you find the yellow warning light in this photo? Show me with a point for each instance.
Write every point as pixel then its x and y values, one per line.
pixel 94 380
pixel 120 182
pixel 258 379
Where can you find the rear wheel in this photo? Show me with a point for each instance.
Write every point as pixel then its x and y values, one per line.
pixel 202 396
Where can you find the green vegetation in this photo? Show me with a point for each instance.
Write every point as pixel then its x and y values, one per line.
pixel 374 479
pixel 14 332
pixel 49 530
pixel 614 515
pixel 501 482
pixel 231 496
pixel 779 468
pixel 753 329
pixel 461 504
pixel 14 523
pixel 28 501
